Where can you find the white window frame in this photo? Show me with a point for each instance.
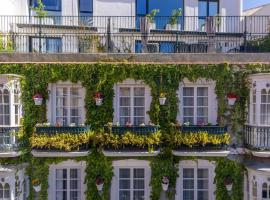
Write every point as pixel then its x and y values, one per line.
pixel 204 164
pixel 212 99
pixel 69 164
pixel 11 83
pixel 130 83
pixel 131 164
pixel 51 103
pixel 258 83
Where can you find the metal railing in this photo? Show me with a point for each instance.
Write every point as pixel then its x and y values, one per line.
pixel 73 34
pixel 209 129
pixel 8 140
pixel 140 130
pixel 52 130
pixel 257 137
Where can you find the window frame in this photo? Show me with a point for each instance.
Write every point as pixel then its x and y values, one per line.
pixel 70 164
pixel 32 3
pixel 195 165
pixel 131 164
pixel 51 102
pixel 207 7
pixel 212 99
pixel 130 83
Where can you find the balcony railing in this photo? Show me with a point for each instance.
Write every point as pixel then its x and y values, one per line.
pixel 257 137
pixel 50 130
pixel 140 130
pixel 208 129
pixel 64 34
pixel 8 140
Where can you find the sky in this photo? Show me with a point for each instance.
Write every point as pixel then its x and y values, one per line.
pixel 254 3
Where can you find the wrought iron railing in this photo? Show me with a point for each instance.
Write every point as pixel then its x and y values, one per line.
pixel 51 130
pixel 73 34
pixel 140 130
pixel 208 129
pixel 8 139
pixel 257 137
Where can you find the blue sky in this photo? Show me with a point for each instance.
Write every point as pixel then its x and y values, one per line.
pixel 254 3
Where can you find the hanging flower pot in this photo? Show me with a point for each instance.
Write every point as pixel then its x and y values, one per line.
pixel 38 99
pixel 165 183
pixel 99 183
pixel 228 183
pixel 98 98
pixel 232 97
pixel 162 99
pixel 36 185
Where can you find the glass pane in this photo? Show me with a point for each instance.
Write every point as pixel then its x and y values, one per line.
pixel 213 8
pixel 61 91
pixel 188 111
pixel 74 102
pixel 202 101
pixel 188 184
pixel 138 173
pixel 138 101
pixel 188 173
pixel 124 184
pixel 139 91
pixel 74 195
pixel 202 195
pixel 141 7
pixel 202 91
pixel 202 173
pixel 124 91
pixel 138 184
pixel 53 5
pixel 61 195
pixel 61 184
pixel 188 195
pixel 61 173
pixel 124 120
pixel 202 184
pixel 124 173
pixel 74 184
pixel 138 120
pixel 86 5
pixel 138 195
pixel 202 8
pixel 74 91
pixel 188 91
pixel 74 173
pixel 124 101
pixel 124 195
pixel 202 112
pixel 188 101
pixel 138 111
pixel 124 111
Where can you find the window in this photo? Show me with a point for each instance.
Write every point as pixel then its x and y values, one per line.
pixel 68 184
pixel 86 11
pixel 198 102
pixel 196 180
pixel 45 45
pixel 131 180
pixel 207 8
pixel 4 108
pixel 265 107
pixel 50 5
pixel 131 183
pixel 195 184
pixel 254 190
pixel 132 103
pixel 4 191
pixel 144 7
pixel 67 103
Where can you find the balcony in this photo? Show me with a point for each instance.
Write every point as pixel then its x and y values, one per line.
pixel 8 140
pixel 257 137
pixel 52 130
pixel 61 34
pixel 138 130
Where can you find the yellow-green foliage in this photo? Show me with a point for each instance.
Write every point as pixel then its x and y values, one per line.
pixel 201 138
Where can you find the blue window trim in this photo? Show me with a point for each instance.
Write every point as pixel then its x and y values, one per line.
pixel 87 12
pixel 207 11
pixel 32 3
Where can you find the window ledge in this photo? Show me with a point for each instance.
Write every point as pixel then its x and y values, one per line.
pixel 40 154
pixel 10 154
pixel 203 154
pixel 130 154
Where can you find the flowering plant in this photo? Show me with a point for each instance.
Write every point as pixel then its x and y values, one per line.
pixel 232 95
pixel 38 96
pixel 165 180
pixel 36 182
pixel 162 95
pixel 98 95
pixel 99 180
pixel 228 181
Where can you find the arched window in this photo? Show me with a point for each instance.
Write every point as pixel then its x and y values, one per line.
pixel 265 107
pixel 4 107
pixel 4 192
pixel 254 190
pixel 264 191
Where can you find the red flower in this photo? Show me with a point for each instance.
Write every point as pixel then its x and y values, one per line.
pixel 99 180
pixel 98 95
pixel 232 95
pixel 37 96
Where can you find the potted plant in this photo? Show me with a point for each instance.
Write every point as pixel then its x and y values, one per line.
pixel 98 98
pixel 228 183
pixel 36 185
pixel 41 13
pixel 151 18
pixel 99 183
pixel 162 98
pixel 38 99
pixel 173 22
pixel 232 97
pixel 165 183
